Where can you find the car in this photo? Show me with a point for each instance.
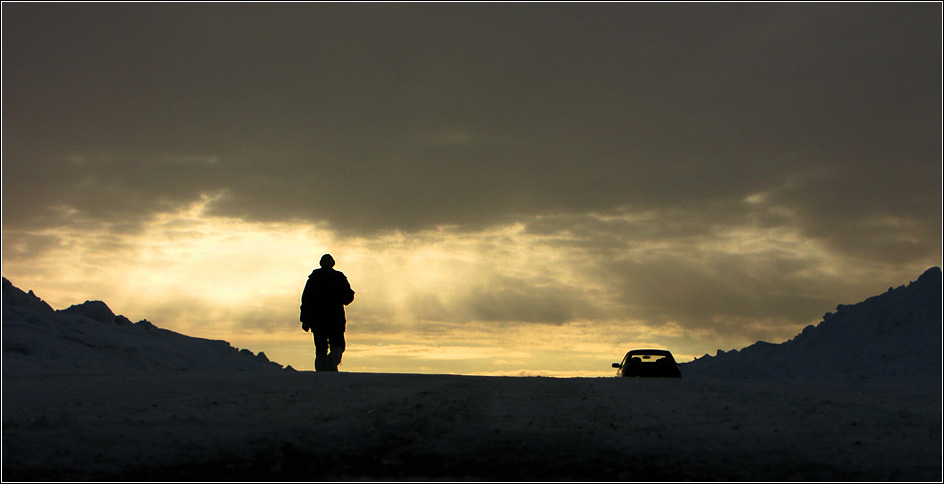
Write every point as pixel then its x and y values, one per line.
pixel 648 363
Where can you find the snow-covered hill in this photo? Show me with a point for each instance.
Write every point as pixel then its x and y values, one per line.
pixel 893 335
pixel 90 337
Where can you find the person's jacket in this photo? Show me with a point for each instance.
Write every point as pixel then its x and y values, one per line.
pixel 326 293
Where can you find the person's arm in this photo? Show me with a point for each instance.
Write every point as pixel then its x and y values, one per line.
pixel 347 294
pixel 303 309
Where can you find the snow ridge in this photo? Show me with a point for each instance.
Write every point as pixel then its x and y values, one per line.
pixel 90 337
pixel 895 335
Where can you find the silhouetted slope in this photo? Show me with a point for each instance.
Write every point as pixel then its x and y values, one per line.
pixel 89 336
pixel 893 335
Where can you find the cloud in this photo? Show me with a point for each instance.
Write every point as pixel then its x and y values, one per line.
pixel 510 300
pixel 699 170
pixel 451 116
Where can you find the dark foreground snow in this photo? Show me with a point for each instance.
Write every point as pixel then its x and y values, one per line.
pixel 287 425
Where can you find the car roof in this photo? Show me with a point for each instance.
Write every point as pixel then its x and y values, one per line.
pixel 649 352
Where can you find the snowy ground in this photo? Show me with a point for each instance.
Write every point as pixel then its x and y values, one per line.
pixel 287 425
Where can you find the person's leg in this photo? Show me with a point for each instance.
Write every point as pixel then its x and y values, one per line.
pixel 321 350
pixel 337 344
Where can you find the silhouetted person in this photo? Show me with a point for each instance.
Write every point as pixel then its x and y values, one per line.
pixel 326 293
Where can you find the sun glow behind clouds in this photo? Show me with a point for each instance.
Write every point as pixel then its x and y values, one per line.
pixel 436 301
pixel 223 261
pixel 555 295
pixel 225 278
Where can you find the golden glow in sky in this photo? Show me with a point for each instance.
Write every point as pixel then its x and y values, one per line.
pixel 508 300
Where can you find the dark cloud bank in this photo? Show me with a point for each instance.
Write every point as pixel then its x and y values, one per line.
pixel 405 116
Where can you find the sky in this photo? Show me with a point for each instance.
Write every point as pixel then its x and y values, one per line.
pixel 510 188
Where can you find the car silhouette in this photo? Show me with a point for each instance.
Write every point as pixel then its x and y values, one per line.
pixel 648 363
